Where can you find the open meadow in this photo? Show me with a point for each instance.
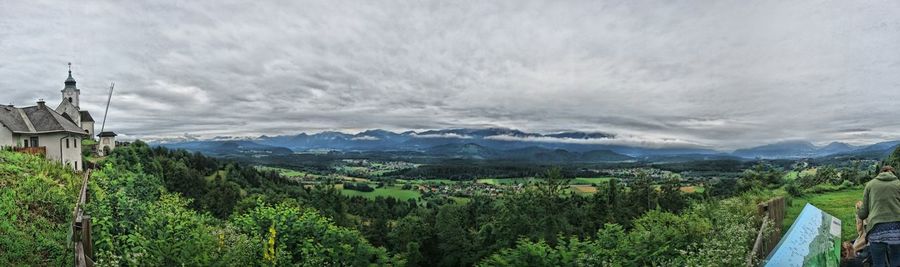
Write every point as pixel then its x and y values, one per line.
pixel 387 191
pixel 839 204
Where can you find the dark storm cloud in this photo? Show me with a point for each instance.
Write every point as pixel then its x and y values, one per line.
pixel 720 74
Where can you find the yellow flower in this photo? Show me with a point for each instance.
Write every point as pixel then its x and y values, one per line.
pixel 269 250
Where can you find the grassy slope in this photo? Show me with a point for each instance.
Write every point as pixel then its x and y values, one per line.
pixel 36 202
pixel 838 204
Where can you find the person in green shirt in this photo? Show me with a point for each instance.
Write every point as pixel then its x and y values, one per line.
pixel 881 206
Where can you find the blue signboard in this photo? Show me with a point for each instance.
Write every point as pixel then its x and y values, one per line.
pixel 813 240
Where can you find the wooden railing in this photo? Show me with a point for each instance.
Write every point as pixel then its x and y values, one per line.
pixel 39 150
pixel 772 213
pixel 81 228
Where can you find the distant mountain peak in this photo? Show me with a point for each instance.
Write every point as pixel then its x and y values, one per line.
pixel 582 135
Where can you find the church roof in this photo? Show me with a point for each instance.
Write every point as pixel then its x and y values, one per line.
pixel 36 120
pixel 86 116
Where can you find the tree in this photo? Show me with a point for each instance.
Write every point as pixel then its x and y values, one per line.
pixel 454 238
pixel 570 252
pixel 409 236
pixel 307 238
pixel 670 197
pixel 175 235
pixel 642 196
pixel 761 175
pixel 221 197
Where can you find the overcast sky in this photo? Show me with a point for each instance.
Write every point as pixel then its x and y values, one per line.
pixel 722 74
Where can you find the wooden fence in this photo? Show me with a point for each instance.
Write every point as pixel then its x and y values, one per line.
pixel 772 214
pixel 40 150
pixel 81 228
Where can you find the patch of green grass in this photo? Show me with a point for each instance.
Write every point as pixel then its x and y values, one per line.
pixel 594 180
pixel 461 200
pixel 808 172
pixel 388 191
pixel 792 175
pixel 212 177
pixel 839 204
pixel 506 181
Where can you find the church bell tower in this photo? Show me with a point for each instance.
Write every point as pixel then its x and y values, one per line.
pixel 71 93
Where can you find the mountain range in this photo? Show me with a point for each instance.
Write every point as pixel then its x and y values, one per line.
pixel 510 144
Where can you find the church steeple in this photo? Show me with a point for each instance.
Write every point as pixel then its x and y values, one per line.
pixel 70 82
pixel 71 93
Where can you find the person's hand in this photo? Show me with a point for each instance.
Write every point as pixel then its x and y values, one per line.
pixel 858 204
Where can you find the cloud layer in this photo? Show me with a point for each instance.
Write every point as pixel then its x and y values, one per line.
pixel 723 74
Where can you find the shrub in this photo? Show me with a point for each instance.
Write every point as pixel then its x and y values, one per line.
pixel 362 187
pixel 793 189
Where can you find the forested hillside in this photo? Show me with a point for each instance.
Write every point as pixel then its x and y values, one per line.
pixel 154 206
pixel 161 207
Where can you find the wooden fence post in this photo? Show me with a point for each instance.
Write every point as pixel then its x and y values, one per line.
pixel 86 237
pixel 770 211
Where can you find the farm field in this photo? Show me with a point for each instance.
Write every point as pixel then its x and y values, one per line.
pixel 428 181
pixel 301 174
pixel 388 191
pixel 584 189
pixel 693 189
pixel 461 200
pixel 505 181
pixel 575 181
pixel 289 172
pixel 839 204
pixel 593 180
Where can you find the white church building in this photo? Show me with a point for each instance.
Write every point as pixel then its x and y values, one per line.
pixel 55 133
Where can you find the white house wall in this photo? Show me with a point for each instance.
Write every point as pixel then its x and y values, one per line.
pixel 57 151
pixel 106 142
pixel 6 137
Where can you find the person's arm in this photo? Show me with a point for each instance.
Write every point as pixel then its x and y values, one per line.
pixel 862 211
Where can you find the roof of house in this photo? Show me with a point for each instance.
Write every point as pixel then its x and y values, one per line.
pixel 66 116
pixel 86 116
pixel 36 119
pixel 107 134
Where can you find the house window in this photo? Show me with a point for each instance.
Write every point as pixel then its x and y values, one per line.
pixel 76 143
pixel 67 143
pixel 76 165
pixel 26 142
pixel 34 141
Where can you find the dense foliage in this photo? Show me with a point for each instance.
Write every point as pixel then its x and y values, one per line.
pixel 36 202
pixel 191 196
pixel 154 206
pixel 146 216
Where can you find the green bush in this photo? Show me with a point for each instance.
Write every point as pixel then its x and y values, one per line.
pixel 304 237
pixel 793 189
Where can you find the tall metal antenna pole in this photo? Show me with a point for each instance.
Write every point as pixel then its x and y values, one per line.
pixel 111 86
